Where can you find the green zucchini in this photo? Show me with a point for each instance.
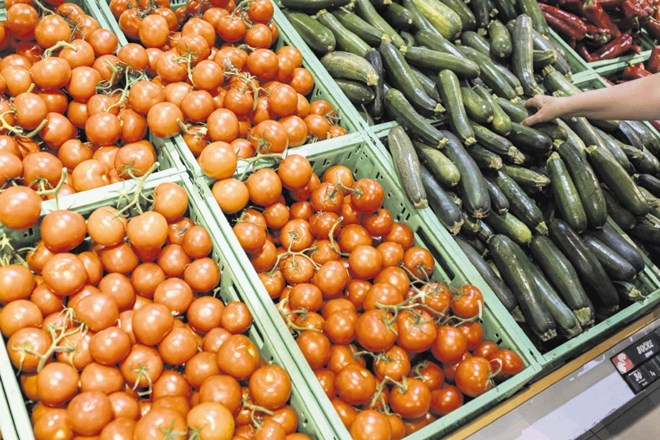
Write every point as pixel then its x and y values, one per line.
pixel 443 169
pixel 490 74
pixel 501 46
pixel 516 112
pixel 628 291
pixel 314 6
pixel 531 8
pixel 501 122
pixel 380 4
pixel 346 40
pixel 647 230
pixel 469 22
pixel 650 183
pixel 529 140
pixel 561 273
pixel 402 111
pixel 618 180
pixel 498 200
pixel 522 57
pixel 477 108
pixel 404 79
pixel 443 19
pixel 356 92
pixel 427 83
pixel 433 40
pixel 450 92
pixel 419 20
pixel 485 232
pixel 623 218
pixel 509 77
pixel 485 159
pixel 617 267
pixel 471 225
pixel 366 117
pixel 476 42
pixel 646 163
pixel 360 27
pixel 573 139
pixel 567 199
pixel 648 136
pixel 407 166
pixel 586 183
pixel 613 147
pixel 514 266
pixel 501 290
pixel 567 323
pixel 472 186
pixel 366 10
pixel 541 42
pixel 377 107
pixel 318 37
pixel 553 130
pixel 526 177
pixel 557 83
pixel 511 226
pixel 542 58
pixel 615 241
pixel 408 38
pixel 482 10
pixel 495 143
pixel 347 65
pixel 506 9
pixel 398 16
pixel 520 204
pixel 436 61
pixel 441 203
pixel 586 263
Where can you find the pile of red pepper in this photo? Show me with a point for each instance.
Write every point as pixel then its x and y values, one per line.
pixel 603 29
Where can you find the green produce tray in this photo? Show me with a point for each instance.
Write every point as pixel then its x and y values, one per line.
pixel 234 287
pixel 365 159
pixel 612 70
pixel 7 429
pixel 577 63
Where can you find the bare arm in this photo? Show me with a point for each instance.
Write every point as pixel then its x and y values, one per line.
pixel 633 100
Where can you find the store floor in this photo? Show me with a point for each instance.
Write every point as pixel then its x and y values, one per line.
pixel 641 421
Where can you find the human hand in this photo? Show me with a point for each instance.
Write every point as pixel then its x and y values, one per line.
pixel 548 108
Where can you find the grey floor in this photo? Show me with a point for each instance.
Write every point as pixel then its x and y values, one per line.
pixel 639 421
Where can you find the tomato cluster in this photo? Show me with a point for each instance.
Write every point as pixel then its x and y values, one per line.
pixel 392 349
pixel 115 331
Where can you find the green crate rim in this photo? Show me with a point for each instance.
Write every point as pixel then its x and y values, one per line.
pixel 512 334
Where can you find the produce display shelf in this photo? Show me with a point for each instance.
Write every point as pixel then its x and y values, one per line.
pixel 365 160
pixel 234 287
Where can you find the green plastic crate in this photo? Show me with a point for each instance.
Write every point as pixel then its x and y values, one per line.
pixel 612 70
pixel 90 7
pixel 577 63
pixel 358 153
pixel 234 287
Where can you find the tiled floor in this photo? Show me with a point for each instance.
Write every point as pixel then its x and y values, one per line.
pixel 641 421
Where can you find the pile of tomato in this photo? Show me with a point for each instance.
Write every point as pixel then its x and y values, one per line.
pixel 392 349
pixel 113 326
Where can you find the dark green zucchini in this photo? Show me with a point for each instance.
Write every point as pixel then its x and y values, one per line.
pixel 408 38
pixel 617 180
pixel 617 267
pixel 443 169
pixel 529 140
pixel 586 183
pixel 501 122
pixel 522 57
pixel 360 27
pixel 506 9
pixel 612 145
pixel 520 204
pixel 540 42
pixel 496 143
pixel 477 108
pixel 567 323
pixel 573 139
pixel 647 230
pixel 482 10
pixel 621 216
pixel 628 291
pixel 433 60
pixel 490 74
pixel 318 37
pixel 419 21
pixel 346 40
pixel 471 187
pixel 511 226
pixel 461 9
pixel 398 16
pixel 476 42
pixel 471 225
pixel 450 92
pixel 586 263
pixel 509 77
pixel 567 199
pixel 347 65
pixel 377 107
pixel 400 75
pixel 402 111
pixel 514 266
pixel 441 17
pixel 367 11
pixel 433 40
pixel 407 166
pixel 527 178
pixel 542 58
pixel 441 203
pixel 380 5
pixel 501 290
pixel 498 200
pixel 427 83
pixel 615 241
pixel 485 159
pixel 651 183
pixel 356 92
pixel 532 9
pixel 314 6
pixel 649 138
pixel 646 162
pixel 501 46
pixel 553 130
pixel 561 273
pixel 557 82
pixel 485 231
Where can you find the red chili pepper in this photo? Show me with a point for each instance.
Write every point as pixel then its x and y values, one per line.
pixel 600 36
pixel 594 13
pixel 614 48
pixel 565 28
pixel 634 72
pixel 566 17
pixel 610 4
pixel 636 10
pixel 653 27
pixel 653 63
pixel 582 50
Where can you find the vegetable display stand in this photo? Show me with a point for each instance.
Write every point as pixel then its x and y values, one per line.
pixel 364 159
pixel 233 287
pixel 7 429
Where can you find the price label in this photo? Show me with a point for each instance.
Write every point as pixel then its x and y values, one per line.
pixel 639 363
